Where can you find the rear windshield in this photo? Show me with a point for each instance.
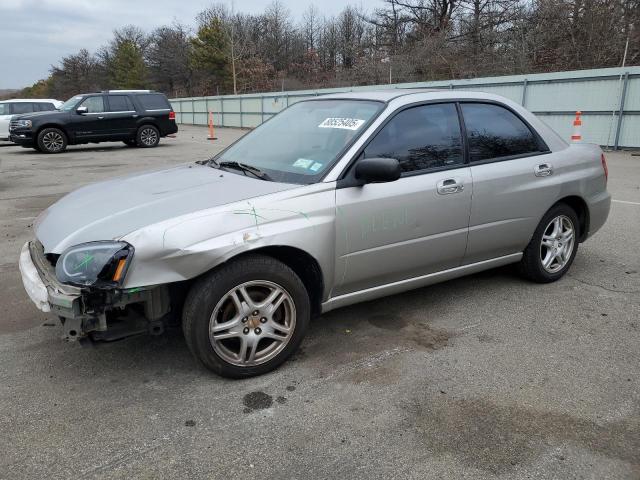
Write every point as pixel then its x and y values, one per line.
pixel 154 101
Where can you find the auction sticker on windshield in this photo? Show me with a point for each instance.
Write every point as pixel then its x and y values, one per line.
pixel 303 163
pixel 307 164
pixel 345 123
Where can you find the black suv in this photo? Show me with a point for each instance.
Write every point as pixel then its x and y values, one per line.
pixel 135 117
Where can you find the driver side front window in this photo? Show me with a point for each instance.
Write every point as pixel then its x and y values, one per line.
pixel 421 138
pixel 93 104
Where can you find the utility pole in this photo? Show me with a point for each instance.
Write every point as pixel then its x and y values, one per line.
pixel 233 57
pixel 621 88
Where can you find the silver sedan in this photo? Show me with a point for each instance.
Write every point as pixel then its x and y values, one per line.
pixel 336 200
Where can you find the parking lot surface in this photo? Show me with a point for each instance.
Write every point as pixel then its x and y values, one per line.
pixel 488 376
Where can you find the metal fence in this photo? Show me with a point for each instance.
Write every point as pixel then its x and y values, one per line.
pixel 608 98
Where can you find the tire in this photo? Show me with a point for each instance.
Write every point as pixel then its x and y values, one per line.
pixel 553 246
pixel 148 136
pixel 51 140
pixel 130 143
pixel 275 334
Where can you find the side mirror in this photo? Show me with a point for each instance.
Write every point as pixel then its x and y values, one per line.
pixel 378 170
pixel 82 110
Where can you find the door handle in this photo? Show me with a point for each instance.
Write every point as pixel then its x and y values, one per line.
pixel 449 186
pixel 100 118
pixel 134 116
pixel 543 170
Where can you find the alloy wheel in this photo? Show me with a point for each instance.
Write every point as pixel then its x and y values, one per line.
pixel 53 141
pixel 252 323
pixel 558 241
pixel 149 137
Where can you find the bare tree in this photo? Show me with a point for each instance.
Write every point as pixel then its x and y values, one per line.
pixel 402 40
pixel 167 56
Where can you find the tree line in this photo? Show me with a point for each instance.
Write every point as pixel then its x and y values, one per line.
pixel 401 41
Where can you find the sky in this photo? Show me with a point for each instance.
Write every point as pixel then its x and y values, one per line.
pixel 35 34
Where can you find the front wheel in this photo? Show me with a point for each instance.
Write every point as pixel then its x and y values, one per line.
pixel 51 140
pixel 553 247
pixel 148 136
pixel 246 317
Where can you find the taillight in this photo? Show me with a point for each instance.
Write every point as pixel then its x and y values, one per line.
pixel 172 115
pixel 604 167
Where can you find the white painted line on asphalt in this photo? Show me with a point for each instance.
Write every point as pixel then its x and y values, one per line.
pixel 626 202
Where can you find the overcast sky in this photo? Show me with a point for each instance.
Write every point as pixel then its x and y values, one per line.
pixel 34 34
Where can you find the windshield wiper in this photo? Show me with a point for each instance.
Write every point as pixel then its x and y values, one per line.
pixel 244 168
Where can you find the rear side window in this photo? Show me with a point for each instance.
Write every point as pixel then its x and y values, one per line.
pixel 22 107
pixel 93 104
pixel 494 132
pixel 44 106
pixel 421 138
pixel 154 101
pixel 120 103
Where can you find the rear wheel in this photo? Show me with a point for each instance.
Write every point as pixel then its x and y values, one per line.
pixel 553 247
pixel 51 140
pixel 247 317
pixel 148 136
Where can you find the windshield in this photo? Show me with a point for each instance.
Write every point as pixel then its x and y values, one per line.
pixel 70 104
pixel 301 143
pixel 4 109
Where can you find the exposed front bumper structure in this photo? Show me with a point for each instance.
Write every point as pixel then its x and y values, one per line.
pixel 100 312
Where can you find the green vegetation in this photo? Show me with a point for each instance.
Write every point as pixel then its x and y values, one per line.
pixel 127 68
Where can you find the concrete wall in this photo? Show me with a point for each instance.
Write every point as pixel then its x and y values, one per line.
pixel 609 99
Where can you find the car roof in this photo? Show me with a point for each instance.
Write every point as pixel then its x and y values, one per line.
pixel 410 95
pixel 397 98
pixel 383 95
pixel 129 91
pixel 23 100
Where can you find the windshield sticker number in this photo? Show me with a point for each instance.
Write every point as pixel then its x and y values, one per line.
pixel 315 167
pixel 344 123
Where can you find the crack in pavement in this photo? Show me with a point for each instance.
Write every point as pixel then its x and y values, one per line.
pixel 602 286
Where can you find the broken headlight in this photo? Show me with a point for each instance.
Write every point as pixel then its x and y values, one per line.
pixel 95 264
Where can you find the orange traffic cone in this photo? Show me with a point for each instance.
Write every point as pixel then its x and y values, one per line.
pixel 211 131
pixel 577 128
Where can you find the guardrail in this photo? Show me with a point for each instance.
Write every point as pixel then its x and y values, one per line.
pixel 608 98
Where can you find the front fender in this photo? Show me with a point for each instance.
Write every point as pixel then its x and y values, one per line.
pixel 188 246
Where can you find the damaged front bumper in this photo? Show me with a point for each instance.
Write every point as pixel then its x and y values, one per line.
pixel 102 314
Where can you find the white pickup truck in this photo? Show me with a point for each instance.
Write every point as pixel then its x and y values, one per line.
pixel 9 108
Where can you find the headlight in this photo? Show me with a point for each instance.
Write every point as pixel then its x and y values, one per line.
pixel 97 264
pixel 22 123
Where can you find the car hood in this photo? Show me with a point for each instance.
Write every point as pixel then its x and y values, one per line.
pixel 111 209
pixel 35 115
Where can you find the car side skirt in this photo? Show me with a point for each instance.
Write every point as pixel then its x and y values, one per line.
pixel 417 282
